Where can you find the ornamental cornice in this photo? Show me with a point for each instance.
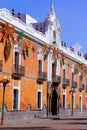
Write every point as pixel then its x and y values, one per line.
pixel 4 13
pixel 73 55
pixel 6 16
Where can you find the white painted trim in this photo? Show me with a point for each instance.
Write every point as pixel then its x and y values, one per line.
pixel 49 69
pixel 58 67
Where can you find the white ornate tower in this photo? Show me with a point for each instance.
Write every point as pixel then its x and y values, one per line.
pixel 52 28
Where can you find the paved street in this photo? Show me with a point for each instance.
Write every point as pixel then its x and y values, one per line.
pixel 46 124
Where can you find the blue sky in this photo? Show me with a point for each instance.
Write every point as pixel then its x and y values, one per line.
pixel 70 13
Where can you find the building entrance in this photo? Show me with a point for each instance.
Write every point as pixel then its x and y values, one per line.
pixel 54 102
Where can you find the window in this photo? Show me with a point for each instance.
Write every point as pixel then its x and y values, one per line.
pixel 53 69
pixel 15 99
pixel 64 74
pixel 16 59
pixel 64 101
pixel 72 77
pixel 39 99
pixel 40 66
pixel 80 81
pixel 80 103
pixel 54 37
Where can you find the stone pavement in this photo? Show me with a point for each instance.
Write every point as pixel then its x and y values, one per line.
pixel 46 124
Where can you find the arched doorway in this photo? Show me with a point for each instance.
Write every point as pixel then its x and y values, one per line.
pixel 54 102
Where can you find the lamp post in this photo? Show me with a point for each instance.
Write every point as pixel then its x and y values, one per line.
pixel 3 83
pixel 72 105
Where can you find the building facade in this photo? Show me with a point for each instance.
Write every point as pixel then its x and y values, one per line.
pixel 41 69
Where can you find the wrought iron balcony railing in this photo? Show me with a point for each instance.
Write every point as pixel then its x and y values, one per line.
pixel 1 65
pixel 56 78
pixel 65 82
pixel 74 84
pixel 42 76
pixel 19 70
pixel 81 87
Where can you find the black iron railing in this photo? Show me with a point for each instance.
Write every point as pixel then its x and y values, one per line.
pixel 42 76
pixel 56 78
pixel 81 87
pixel 74 84
pixel 65 82
pixel 19 70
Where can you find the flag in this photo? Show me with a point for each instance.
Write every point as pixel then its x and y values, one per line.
pixel 21 34
pixel 63 61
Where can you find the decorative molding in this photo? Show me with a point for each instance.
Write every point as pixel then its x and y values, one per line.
pixel 28 29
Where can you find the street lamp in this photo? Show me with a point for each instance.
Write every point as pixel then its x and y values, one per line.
pixel 3 83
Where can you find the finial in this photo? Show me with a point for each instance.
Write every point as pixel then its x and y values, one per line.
pixel 51 7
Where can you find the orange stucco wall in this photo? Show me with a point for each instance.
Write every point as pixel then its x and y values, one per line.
pixel 27 85
pixel 66 91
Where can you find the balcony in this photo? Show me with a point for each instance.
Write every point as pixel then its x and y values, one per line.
pixel 18 71
pixel 65 83
pixel 56 79
pixel 81 87
pixel 42 76
pixel 74 84
pixel 1 65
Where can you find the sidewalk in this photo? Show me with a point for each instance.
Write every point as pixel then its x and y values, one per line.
pixel 72 123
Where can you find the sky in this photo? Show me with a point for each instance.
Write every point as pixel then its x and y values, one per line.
pixel 71 14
